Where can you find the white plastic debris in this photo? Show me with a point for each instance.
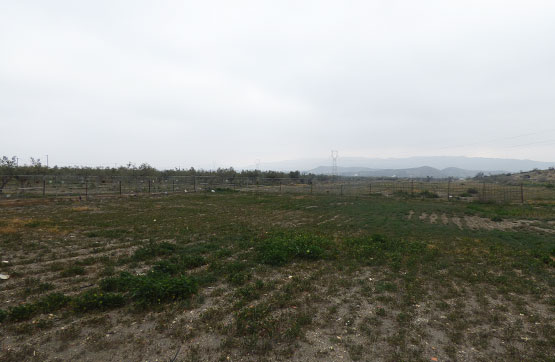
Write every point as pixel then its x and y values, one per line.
pixel 4 276
pixel 5 262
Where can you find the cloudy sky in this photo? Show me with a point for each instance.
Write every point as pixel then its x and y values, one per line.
pixel 224 83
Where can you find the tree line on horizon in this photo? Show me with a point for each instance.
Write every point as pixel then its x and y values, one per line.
pixel 9 166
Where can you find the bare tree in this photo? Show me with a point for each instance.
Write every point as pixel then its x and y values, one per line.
pixel 7 170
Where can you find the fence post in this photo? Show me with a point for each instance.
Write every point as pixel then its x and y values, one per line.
pixel 173 185
pixel 149 185
pixel 412 187
pixel 521 194
pixel 483 191
pixel 86 189
pixel 280 186
pixel 341 189
pixel 448 190
pixel 120 187
pixel 311 182
pixel 370 188
pixel 194 183
pixel 43 188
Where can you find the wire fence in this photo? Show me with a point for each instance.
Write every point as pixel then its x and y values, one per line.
pixel 22 186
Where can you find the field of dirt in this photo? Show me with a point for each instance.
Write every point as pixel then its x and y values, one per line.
pixel 228 276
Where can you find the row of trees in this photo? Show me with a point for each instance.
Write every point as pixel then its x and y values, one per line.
pixel 10 170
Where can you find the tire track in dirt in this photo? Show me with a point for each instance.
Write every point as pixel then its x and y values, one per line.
pixel 481 223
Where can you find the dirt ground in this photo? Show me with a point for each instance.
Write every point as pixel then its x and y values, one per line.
pixel 451 290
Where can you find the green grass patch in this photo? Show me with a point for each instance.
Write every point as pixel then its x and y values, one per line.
pixel 46 304
pixel 282 248
pixel 97 300
pixel 154 288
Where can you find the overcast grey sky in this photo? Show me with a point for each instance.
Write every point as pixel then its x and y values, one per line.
pixel 223 83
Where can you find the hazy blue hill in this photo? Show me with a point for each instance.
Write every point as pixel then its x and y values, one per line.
pixel 448 164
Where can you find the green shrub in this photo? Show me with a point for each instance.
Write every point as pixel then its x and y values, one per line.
pixel 153 250
pixel 97 300
pixel 21 312
pixel 166 267
pixel 3 315
pixel 153 289
pixel 192 261
pixel 121 283
pixel 428 194
pixel 281 248
pixel 46 304
pixel 52 302
pixel 235 272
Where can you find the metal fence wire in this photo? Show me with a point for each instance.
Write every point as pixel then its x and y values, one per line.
pixel 33 186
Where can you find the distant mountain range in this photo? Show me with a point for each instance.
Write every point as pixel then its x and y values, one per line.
pixel 416 172
pixel 434 166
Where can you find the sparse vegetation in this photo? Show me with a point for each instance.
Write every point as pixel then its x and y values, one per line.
pixel 280 277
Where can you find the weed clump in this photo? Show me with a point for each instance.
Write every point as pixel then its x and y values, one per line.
pixel 428 194
pixel 178 264
pixel 97 300
pixel 377 250
pixel 282 248
pixel 21 312
pixel 46 304
pixel 52 302
pixel 154 288
pixel 153 250
pixel 151 289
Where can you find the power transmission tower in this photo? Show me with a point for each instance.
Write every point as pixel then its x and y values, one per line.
pixel 334 155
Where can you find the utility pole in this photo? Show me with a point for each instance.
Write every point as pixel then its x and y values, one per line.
pixel 334 155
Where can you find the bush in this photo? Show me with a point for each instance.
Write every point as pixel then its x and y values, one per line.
pixel 153 250
pixel 3 315
pixel 21 312
pixel 428 194
pixel 282 248
pixel 52 302
pixel 121 283
pixel 97 300
pixel 166 267
pixel 153 288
